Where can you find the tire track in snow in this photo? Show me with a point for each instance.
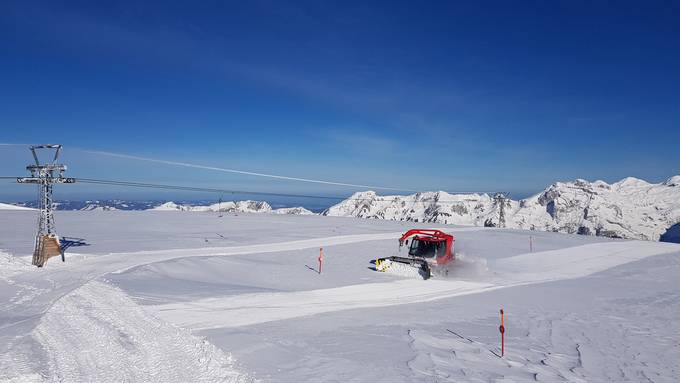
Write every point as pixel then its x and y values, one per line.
pixel 554 265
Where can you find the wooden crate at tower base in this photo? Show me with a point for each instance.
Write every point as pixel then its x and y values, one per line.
pixel 46 247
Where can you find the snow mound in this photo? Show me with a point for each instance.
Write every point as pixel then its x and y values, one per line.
pixel 98 334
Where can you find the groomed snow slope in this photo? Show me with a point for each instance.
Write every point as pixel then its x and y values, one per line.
pixel 250 305
pixel 247 309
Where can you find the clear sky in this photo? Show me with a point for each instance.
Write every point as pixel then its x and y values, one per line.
pixel 421 95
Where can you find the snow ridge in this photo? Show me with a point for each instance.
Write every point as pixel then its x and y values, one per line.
pixel 630 208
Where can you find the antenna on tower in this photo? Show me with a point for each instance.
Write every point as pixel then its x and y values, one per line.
pixel 46 175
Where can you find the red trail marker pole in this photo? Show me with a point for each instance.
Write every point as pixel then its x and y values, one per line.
pixel 502 330
pixel 320 259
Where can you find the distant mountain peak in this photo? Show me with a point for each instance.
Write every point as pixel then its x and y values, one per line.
pixel 630 208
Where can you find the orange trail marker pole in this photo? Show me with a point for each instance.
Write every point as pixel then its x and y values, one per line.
pixel 502 330
pixel 320 259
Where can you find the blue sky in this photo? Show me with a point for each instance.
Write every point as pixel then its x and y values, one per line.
pixel 417 95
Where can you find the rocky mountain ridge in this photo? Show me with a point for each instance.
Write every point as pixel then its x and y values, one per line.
pixel 631 208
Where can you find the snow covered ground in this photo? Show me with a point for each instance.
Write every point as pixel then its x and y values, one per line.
pixel 191 296
pixel 6 206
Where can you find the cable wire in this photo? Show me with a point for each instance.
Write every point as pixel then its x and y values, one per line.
pixel 148 185
pixel 229 191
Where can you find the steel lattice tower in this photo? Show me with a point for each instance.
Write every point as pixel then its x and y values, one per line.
pixel 46 175
pixel 499 200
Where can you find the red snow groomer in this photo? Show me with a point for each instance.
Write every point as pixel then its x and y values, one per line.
pixel 429 249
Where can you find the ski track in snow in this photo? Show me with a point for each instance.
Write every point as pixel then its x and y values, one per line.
pixel 249 309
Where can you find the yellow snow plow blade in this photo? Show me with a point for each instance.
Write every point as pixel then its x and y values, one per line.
pixel 403 266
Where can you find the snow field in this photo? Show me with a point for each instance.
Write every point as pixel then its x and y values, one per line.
pixel 154 309
pixel 248 309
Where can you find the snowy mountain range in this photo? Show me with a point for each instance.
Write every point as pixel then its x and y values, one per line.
pixel 630 208
pixel 233 207
pixel 90 205
pixel 109 205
